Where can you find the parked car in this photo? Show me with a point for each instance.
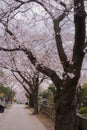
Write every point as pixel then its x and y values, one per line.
pixel 2 108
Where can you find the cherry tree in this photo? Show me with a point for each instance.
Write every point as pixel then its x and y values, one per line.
pixel 26 74
pixel 65 99
pixel 31 85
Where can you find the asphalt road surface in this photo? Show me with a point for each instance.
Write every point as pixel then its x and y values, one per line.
pixel 18 118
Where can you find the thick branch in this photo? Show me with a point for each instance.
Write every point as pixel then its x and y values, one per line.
pixel 38 2
pixel 40 67
pixel 27 90
pixel 61 52
pixel 57 29
pixel 9 50
pixel 26 81
pixel 35 80
pixel 79 20
pixel 45 70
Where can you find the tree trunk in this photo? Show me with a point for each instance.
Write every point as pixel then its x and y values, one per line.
pixel 67 120
pixel 66 104
pixel 36 102
pixel 31 101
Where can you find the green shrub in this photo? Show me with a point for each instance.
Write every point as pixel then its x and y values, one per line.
pixel 83 111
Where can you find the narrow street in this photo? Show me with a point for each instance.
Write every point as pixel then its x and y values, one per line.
pixel 18 118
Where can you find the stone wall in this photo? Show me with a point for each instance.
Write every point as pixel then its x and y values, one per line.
pixel 82 122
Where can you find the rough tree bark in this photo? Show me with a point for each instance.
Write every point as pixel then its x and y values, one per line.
pixel 31 101
pixel 65 103
pixel 35 92
pixel 35 102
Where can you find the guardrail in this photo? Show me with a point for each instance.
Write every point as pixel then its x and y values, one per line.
pixel 48 110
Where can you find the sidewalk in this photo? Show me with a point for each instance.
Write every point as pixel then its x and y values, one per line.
pixel 19 118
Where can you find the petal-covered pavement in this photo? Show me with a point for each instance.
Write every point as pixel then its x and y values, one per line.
pixel 18 118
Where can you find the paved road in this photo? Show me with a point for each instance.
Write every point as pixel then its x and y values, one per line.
pixel 18 118
pixel 3 115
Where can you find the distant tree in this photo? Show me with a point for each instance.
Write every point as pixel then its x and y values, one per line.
pixel 31 85
pixel 8 93
pixel 30 81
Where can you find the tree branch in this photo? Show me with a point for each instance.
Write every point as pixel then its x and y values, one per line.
pixel 57 29
pixel 38 2
pixel 40 67
pixel 27 90
pixel 61 52
pixel 10 50
pixel 79 20
pixel 45 70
